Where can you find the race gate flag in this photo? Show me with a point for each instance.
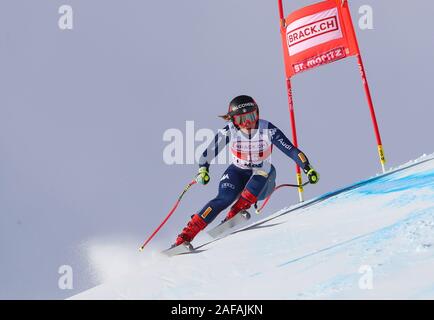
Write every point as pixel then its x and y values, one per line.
pixel 318 34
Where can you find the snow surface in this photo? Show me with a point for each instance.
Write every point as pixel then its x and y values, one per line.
pixel 374 241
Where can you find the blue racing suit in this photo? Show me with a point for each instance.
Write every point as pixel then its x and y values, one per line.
pixel 251 166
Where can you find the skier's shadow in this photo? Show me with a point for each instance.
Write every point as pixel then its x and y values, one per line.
pixel 257 227
pixel 193 252
pixel 238 231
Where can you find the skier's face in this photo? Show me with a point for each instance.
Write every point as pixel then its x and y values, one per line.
pixel 246 120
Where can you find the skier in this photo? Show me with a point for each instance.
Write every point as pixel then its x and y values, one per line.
pixel 251 173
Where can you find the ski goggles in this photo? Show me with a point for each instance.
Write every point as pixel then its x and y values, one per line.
pixel 245 118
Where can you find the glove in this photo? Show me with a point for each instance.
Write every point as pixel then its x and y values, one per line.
pixel 312 175
pixel 203 176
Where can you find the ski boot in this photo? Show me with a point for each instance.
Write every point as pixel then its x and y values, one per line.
pixel 243 203
pixel 194 226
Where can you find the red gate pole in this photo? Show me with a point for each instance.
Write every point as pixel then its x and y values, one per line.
pixel 372 111
pixel 368 95
pixel 291 109
pixel 294 136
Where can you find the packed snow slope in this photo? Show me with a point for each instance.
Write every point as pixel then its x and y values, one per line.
pixel 372 240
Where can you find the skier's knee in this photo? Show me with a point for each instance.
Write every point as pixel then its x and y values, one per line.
pixel 225 202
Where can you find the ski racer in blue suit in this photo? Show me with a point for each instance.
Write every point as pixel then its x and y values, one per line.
pixel 251 175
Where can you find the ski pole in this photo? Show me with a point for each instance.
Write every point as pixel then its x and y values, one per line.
pixel 193 182
pixel 258 211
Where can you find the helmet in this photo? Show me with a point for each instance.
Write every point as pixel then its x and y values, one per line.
pixel 243 112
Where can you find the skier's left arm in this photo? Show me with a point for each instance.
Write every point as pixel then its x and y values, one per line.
pixel 279 139
pixel 220 141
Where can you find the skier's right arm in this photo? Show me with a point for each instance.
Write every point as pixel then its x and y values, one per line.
pixel 221 139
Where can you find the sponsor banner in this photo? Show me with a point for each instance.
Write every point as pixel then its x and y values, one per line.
pixel 316 35
pixel 313 30
pixel 313 62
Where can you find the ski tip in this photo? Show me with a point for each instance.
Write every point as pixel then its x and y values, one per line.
pixel 141 249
